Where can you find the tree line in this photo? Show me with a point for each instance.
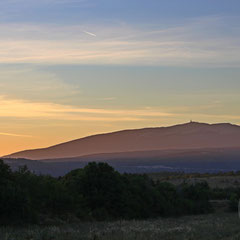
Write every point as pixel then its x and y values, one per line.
pixel 95 192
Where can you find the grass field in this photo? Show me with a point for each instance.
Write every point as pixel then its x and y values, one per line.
pixel 224 226
pixel 213 180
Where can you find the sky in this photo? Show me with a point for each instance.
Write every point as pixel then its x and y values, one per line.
pixel 73 68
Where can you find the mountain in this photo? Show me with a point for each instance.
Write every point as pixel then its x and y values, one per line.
pixel 191 135
pixel 194 160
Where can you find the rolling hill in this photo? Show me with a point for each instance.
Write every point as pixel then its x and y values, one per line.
pixel 193 160
pixel 189 136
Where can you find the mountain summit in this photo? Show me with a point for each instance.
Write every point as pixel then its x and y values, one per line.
pixel 191 135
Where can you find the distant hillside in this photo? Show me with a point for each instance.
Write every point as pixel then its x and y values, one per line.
pixel 195 160
pixel 191 135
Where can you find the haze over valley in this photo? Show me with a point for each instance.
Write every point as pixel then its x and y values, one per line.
pixel 189 147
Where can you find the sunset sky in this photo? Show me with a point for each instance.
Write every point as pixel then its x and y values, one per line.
pixel 71 68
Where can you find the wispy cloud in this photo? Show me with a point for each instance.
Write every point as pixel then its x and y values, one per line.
pixel 15 135
pixel 25 109
pixel 200 42
pixel 89 33
pixel 107 99
pixel 35 84
pixel 21 109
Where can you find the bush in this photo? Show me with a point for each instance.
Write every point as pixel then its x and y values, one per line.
pixel 96 192
pixel 233 202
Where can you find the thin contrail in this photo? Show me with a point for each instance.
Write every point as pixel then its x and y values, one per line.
pixel 14 135
pixel 89 33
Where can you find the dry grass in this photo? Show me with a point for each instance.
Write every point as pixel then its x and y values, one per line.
pixel 224 226
pixel 212 180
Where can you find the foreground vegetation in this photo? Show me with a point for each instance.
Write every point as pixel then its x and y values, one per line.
pixel 214 180
pixel 224 186
pixel 96 192
pixel 224 226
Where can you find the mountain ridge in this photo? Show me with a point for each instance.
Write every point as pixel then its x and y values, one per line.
pixel 187 135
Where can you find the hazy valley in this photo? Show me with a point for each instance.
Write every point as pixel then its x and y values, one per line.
pixel 191 147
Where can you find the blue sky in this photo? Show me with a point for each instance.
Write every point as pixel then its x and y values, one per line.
pixel 79 67
pixel 134 11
